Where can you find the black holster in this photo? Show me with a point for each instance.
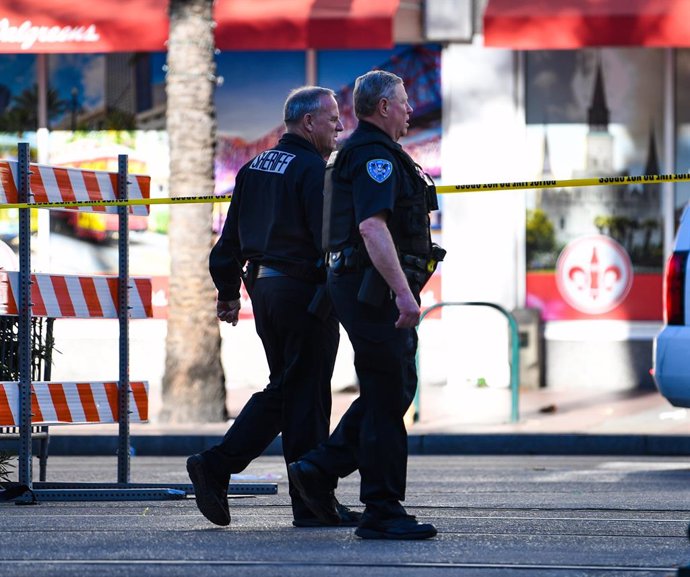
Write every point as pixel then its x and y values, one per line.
pixel 419 270
pixel 321 305
pixel 249 275
pixel 349 259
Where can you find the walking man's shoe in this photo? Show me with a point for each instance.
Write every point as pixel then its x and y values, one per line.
pixel 210 493
pixel 348 518
pixel 398 528
pixel 315 491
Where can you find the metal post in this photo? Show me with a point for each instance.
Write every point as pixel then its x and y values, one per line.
pixel 24 308
pixel 514 355
pixel 514 367
pixel 123 449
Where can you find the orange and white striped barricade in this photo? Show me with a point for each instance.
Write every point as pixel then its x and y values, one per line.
pixel 20 182
pixel 73 403
pixel 70 296
pixel 75 296
pixel 57 184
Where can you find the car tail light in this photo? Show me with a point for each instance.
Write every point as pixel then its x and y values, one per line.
pixel 674 289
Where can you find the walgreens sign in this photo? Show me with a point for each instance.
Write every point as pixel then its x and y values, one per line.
pixel 25 35
pixel 99 26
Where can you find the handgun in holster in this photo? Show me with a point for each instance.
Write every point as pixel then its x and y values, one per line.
pixel 249 275
pixel 340 261
pixel 321 305
pixel 419 270
pixel 349 259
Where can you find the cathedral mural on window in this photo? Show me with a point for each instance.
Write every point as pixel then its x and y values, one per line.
pixel 594 252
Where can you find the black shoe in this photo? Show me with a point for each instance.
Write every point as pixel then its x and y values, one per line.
pixel 211 494
pixel 348 518
pixel 398 528
pixel 314 490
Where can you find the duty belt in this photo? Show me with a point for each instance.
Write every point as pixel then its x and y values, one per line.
pixel 264 271
pixel 349 259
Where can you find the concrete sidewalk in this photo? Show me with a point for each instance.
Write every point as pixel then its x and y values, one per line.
pixel 454 417
pixel 454 422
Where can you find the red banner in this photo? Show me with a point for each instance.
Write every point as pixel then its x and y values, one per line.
pixel 642 303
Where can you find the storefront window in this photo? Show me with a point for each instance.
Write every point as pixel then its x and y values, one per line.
pixel 249 107
pixel 420 68
pixel 84 91
pixel 102 104
pixel 77 82
pixel 18 93
pixel 117 91
pixel 591 250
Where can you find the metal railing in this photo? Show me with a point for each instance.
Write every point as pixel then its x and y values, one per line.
pixel 514 354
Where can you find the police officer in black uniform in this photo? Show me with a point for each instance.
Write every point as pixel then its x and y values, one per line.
pixel 376 227
pixel 274 228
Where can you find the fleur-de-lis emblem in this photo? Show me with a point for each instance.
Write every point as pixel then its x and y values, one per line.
pixel 594 274
pixel 592 278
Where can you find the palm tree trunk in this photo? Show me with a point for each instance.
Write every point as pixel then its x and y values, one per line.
pixel 193 383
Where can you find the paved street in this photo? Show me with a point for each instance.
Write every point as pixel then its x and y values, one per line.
pixel 497 516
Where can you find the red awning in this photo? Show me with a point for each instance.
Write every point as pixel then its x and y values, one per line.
pixel 567 24
pixel 302 24
pixel 62 26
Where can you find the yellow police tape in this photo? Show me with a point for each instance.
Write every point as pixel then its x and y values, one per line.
pixel 446 189
pixel 130 202
pixel 575 182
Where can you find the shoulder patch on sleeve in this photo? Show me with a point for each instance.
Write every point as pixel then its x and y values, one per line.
pixel 379 169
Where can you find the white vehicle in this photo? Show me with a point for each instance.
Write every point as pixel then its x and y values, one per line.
pixel 672 345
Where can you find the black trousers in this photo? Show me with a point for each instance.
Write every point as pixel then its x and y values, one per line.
pixel 371 435
pixel 301 351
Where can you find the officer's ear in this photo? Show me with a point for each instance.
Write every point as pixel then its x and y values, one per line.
pixel 308 122
pixel 383 106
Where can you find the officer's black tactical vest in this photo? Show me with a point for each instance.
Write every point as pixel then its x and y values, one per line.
pixel 409 224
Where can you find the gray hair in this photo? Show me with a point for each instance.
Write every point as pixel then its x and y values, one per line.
pixel 303 101
pixel 370 88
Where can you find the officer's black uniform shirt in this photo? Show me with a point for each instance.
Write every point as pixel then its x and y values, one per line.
pixel 369 178
pixel 274 218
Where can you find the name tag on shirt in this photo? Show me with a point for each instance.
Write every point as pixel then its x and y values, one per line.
pixel 272 161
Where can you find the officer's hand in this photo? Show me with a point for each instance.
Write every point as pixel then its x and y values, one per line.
pixel 409 311
pixel 228 311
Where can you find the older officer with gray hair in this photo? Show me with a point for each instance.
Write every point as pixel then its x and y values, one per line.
pixel 274 226
pixel 376 228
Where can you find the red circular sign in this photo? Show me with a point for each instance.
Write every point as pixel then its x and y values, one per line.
pixel 594 274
